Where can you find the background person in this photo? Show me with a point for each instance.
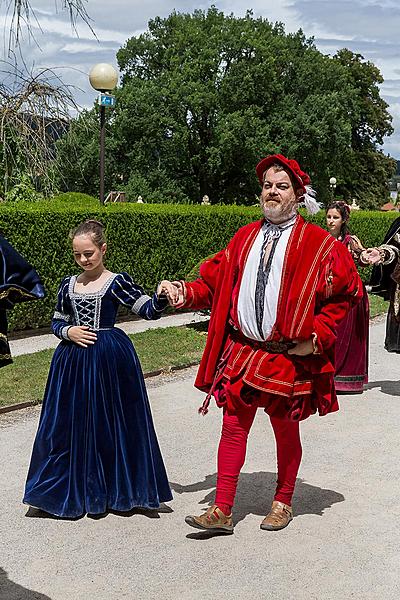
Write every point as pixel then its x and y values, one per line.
pixel 385 282
pixel 351 357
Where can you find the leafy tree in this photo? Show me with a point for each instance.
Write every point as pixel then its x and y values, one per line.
pixel 367 170
pixel 35 107
pixel 205 95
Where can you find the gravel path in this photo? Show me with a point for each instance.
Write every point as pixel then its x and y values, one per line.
pixel 342 544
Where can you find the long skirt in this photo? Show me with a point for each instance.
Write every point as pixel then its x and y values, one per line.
pixel 96 447
pixel 351 360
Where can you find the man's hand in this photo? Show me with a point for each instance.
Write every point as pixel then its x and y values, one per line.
pixel 302 348
pixel 166 288
pixel 82 336
pixel 173 290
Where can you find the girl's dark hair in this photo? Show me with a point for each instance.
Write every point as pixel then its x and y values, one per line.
pixel 344 211
pixel 90 227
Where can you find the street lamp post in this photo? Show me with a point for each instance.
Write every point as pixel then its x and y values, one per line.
pixel 103 78
pixel 332 185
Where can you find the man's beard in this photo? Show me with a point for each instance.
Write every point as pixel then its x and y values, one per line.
pixel 275 214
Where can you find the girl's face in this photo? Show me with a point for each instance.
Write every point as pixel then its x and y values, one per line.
pixel 87 255
pixel 334 221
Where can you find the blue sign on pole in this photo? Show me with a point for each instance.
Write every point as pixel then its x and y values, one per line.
pixel 107 100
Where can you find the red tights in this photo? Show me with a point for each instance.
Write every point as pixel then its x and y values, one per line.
pixel 232 453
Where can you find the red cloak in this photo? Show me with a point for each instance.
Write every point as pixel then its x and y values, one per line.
pixel 319 285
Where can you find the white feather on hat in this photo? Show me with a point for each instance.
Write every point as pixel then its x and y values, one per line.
pixel 309 201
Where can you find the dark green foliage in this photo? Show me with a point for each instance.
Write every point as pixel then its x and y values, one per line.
pixel 205 96
pixel 151 242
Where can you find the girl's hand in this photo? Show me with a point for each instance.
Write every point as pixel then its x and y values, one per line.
pixel 82 336
pixel 171 290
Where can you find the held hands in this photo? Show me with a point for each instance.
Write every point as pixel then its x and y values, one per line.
pixel 173 290
pixel 82 336
pixel 371 256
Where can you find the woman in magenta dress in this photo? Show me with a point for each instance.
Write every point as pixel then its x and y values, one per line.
pixel 352 333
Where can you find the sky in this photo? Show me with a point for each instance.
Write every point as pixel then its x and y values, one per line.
pixel 368 27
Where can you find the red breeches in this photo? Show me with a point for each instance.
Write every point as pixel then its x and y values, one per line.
pixel 232 454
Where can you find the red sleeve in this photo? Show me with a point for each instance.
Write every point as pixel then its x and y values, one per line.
pixel 339 289
pixel 200 293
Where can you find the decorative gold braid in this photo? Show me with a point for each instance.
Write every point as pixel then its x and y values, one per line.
pixel 12 288
pixel 3 337
pixel 5 356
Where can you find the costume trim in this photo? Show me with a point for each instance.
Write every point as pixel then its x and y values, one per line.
pixel 64 333
pixel 12 288
pixel 391 250
pixel 292 334
pixel 140 302
pixel 59 316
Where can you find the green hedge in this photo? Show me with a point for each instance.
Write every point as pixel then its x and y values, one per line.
pixel 151 242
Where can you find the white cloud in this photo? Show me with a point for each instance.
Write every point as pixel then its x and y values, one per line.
pixel 369 27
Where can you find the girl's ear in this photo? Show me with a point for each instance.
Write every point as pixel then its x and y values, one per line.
pixel 103 249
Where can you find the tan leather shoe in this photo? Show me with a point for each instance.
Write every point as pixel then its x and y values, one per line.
pixel 278 517
pixel 212 520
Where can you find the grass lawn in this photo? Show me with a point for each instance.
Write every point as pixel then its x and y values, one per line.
pixel 25 379
pixel 377 306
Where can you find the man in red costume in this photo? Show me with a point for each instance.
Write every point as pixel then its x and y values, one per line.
pixel 276 293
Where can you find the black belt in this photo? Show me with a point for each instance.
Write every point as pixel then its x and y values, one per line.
pixel 271 346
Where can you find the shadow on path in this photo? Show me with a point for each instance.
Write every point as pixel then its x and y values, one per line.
pixel 150 513
pixel 12 591
pixel 255 494
pixel 392 388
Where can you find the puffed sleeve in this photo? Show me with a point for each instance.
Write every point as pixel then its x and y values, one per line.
pixel 199 294
pixel 128 293
pixel 63 318
pixel 19 281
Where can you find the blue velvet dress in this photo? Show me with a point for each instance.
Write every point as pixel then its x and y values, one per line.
pixel 96 447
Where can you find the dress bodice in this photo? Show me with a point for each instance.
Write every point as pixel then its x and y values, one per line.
pixel 98 310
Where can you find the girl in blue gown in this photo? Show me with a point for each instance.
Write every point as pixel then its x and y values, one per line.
pixel 96 448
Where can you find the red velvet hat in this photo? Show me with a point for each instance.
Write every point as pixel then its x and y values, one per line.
pixel 293 166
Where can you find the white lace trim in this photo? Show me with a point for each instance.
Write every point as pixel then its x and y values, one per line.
pixel 87 307
pixel 60 316
pixel 64 333
pixel 139 303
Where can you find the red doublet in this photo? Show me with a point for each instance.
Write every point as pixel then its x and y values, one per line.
pixel 319 285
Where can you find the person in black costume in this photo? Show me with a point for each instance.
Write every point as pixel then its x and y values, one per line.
pixel 385 282
pixel 19 282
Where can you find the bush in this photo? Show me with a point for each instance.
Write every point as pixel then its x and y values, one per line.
pixel 23 191
pixel 77 199
pixel 151 242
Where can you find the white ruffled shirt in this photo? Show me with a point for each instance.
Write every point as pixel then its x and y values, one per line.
pixel 246 301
